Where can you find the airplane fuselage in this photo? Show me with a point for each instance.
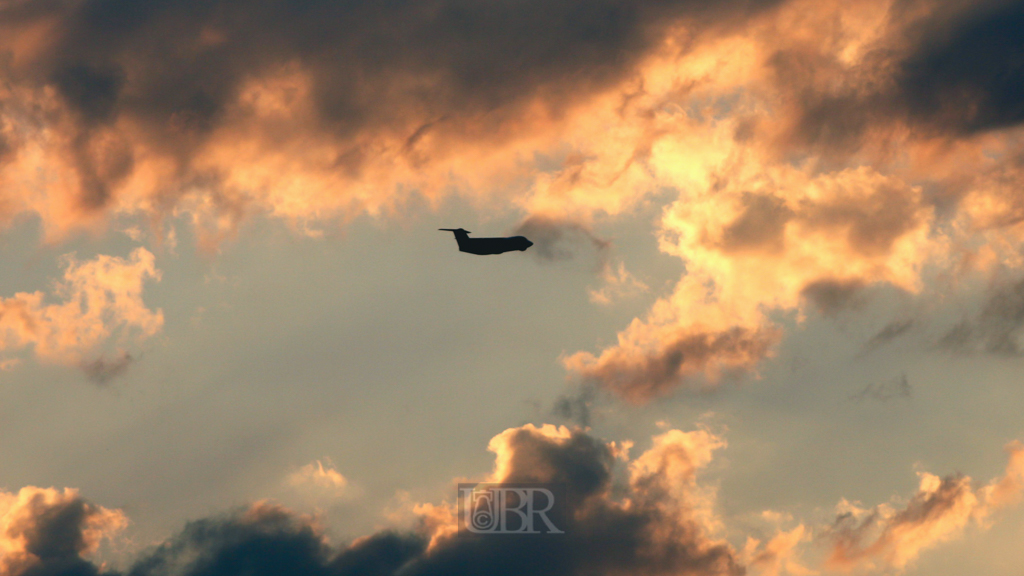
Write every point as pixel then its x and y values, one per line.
pixel 486 246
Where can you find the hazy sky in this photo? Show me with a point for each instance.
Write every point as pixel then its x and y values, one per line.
pixel 770 324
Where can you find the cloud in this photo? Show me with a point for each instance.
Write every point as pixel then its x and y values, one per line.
pixel 962 76
pixel 898 387
pixel 660 529
pixel 995 329
pixel 808 171
pixel 640 375
pixel 940 70
pixel 940 511
pixel 558 239
pixel 757 236
pixel 889 537
pixel 807 150
pixel 49 531
pixel 619 283
pixel 781 554
pixel 101 370
pixel 661 524
pixel 831 297
pixel 888 333
pixel 101 302
pixel 298 110
pixel 318 480
pixel 576 406
pixel 653 516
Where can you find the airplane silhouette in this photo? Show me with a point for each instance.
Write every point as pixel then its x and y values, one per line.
pixel 484 246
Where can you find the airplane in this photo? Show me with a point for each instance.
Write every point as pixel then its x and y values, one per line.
pixel 484 246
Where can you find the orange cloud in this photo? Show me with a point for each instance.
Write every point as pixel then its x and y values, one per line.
pixel 319 480
pixel 46 528
pixel 664 522
pixel 658 519
pixel 811 149
pixel 101 303
pixel 780 555
pixel 940 511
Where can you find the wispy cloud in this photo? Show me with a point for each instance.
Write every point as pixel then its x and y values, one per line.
pixel 319 480
pixel 942 508
pixel 898 387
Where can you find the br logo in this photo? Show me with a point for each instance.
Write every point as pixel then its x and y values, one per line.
pixel 511 508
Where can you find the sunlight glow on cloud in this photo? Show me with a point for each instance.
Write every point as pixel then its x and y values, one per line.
pixel 656 519
pixel 48 531
pixel 764 132
pixel 101 303
pixel 813 148
pixel 316 476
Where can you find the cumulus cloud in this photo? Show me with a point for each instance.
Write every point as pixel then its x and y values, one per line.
pixel 49 531
pixel 807 150
pixel 303 111
pixel 804 207
pixel 960 75
pixel 101 301
pixel 644 515
pixel 660 527
pixel 662 524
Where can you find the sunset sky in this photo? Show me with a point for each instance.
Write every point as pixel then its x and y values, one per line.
pixel 772 322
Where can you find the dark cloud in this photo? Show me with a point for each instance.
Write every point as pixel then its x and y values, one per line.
pixel 898 387
pixel 834 296
pixel 969 76
pixel 174 68
pixel 953 72
pixel 263 541
pixel 57 530
pixel 382 553
pixel 655 534
pixel 89 90
pixel 576 406
pixel 47 534
pixel 101 370
pixel 888 333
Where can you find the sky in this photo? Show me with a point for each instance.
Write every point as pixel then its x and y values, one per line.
pixel 770 324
